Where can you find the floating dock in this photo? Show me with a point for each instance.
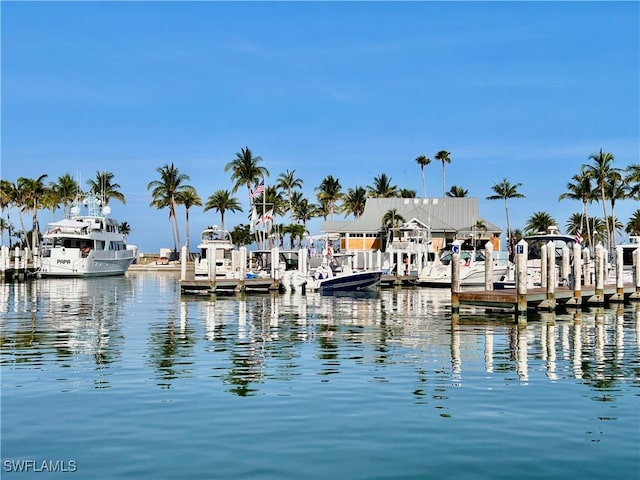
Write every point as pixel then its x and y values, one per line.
pixel 228 286
pixel 553 292
pixel 540 299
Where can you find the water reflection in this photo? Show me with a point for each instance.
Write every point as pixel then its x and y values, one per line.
pixel 245 343
pixel 74 322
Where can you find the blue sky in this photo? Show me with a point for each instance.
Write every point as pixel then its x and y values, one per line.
pixel 525 91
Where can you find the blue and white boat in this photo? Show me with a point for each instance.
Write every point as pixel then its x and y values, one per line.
pixel 337 275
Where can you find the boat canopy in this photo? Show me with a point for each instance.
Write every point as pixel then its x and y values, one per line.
pixel 66 224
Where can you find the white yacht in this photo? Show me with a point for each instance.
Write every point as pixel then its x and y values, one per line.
pixel 85 245
pixel 472 268
pixel 214 242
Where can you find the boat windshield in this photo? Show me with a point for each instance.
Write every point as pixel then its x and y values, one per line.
pixel 465 256
pixel 536 245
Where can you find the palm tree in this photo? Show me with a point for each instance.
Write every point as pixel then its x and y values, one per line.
pixel 222 201
pixel 616 226
pixel 295 231
pixel 539 222
pixel 273 197
pixel 616 190
pixel 392 219
pixel 5 226
pixel 600 172
pixel 322 209
pixel 245 170
pixel 189 198
pixel 51 199
pixel 443 156
pixel 506 191
pixel 103 187
pixel 67 189
pixel 8 192
pixel 594 224
pixel 10 197
pixel 288 181
pixel 457 191
pixel 125 228
pixel 581 189
pixel 481 227
pixel 633 225
pixel 354 201
pixel 303 211
pixel 241 235
pixel 633 180
pixel 382 187
pixel 329 192
pixel 31 192
pixel 164 193
pixel 423 162
pixel 407 193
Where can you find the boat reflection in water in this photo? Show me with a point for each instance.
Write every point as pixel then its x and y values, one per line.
pixel 88 318
pixel 126 368
pixel 75 319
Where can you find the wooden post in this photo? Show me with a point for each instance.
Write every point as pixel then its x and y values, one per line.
pixel 619 295
pixel 636 270
pixel 455 277
pixel 586 266
pixel 4 261
pixel 488 266
pixel 16 263
pixel 598 298
pixel 550 302
pixel 522 256
pixel 183 263
pixel 543 266
pixel 211 263
pixel 566 265
pixel 576 301
pixel 243 262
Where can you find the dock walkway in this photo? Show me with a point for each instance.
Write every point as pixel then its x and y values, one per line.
pixel 538 298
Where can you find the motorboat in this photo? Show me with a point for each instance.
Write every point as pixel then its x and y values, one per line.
pixel 337 275
pixel 219 246
pixel 536 243
pixel 628 270
pixel 90 245
pixel 472 268
pixel 287 269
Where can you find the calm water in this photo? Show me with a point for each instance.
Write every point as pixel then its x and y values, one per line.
pixel 123 378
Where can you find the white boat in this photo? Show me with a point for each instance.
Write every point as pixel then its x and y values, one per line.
pixel 287 269
pixel 89 245
pixel 535 244
pixel 214 242
pixel 628 270
pixel 472 268
pixel 337 275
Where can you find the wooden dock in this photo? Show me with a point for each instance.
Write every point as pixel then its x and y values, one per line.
pixel 539 299
pixel 387 281
pixel 228 286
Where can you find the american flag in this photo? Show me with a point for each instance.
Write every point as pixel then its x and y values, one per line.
pixel 259 189
pixel 579 237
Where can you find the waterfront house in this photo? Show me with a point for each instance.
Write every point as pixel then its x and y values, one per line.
pixel 435 220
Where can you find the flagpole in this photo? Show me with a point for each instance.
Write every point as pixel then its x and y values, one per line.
pixel 264 206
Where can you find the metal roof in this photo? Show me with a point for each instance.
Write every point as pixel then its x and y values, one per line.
pixel 449 214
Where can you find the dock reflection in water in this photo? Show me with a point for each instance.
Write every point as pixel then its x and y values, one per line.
pixel 319 364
